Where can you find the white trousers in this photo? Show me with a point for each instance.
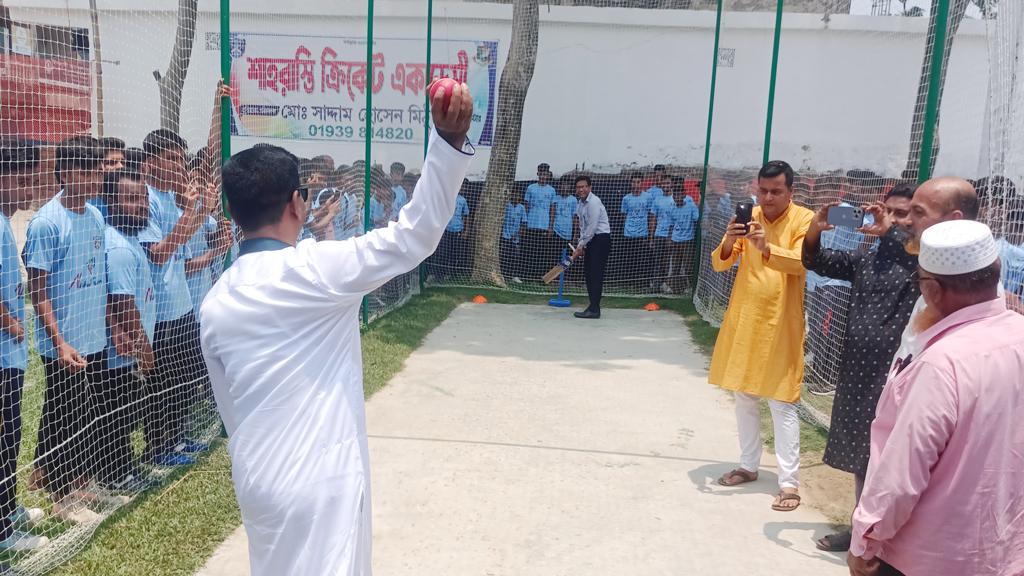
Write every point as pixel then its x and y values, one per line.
pixel 787 437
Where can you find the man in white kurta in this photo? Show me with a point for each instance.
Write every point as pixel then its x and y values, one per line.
pixel 280 334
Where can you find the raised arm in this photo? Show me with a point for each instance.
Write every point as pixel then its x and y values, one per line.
pixel 160 251
pixel 362 264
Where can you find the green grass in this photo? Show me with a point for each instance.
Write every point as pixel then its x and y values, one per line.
pixel 174 530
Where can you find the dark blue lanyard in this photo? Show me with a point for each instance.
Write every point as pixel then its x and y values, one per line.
pixel 261 245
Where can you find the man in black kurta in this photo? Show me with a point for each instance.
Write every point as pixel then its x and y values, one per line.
pixel 883 293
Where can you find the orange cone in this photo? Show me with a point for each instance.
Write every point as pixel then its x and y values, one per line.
pixel 652 307
pixel 479 299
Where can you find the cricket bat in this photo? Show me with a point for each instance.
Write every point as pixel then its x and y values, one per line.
pixel 559 268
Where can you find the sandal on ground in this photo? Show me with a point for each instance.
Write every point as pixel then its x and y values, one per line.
pixel 729 478
pixel 838 542
pixel 784 497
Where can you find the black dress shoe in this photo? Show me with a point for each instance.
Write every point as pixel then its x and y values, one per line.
pixel 587 314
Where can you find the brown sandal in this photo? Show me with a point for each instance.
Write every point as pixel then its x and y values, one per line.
pixel 785 497
pixel 743 475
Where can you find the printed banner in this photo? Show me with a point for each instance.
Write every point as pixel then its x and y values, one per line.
pixel 314 88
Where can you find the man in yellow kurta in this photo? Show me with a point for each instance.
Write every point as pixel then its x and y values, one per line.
pixel 760 348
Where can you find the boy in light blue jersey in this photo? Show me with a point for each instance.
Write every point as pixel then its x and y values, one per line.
pixel 401 196
pixel 131 324
pixel 565 215
pixel 662 207
pixel 202 252
pixel 685 216
pixel 66 262
pixel 19 163
pixel 515 217
pixel 176 211
pixel 452 249
pixel 636 206
pixel 538 240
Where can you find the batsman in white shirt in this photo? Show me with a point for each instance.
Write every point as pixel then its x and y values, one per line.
pixel 280 335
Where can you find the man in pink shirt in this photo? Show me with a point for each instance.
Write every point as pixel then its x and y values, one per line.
pixel 944 494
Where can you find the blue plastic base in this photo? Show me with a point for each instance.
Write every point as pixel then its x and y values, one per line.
pixel 559 303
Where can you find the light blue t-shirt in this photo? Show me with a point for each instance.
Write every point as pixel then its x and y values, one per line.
pixel 401 198
pixel 101 204
pixel 538 202
pixel 349 221
pixel 457 223
pixel 565 210
pixel 69 247
pixel 636 208
pixel 663 208
pixel 684 221
pixel 172 298
pixel 1012 259
pixel 128 274
pixel 653 193
pixel 13 354
pixel 199 283
pixel 515 216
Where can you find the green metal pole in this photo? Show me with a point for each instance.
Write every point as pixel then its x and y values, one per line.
pixel 931 114
pixel 426 106
pixel 367 221
pixel 771 85
pixel 225 105
pixel 707 138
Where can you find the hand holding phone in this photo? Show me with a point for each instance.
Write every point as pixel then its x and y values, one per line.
pixel 744 214
pixel 846 216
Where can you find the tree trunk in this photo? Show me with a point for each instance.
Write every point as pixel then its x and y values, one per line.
pixel 501 170
pixel 957 10
pixel 173 81
pixel 97 54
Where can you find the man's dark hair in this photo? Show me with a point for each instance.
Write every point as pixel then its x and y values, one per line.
pixel 17 156
pixel 161 140
pixel 326 161
pixel 77 153
pixel 636 176
pixel 583 178
pixel 397 167
pixel 659 167
pixel 902 190
pixel 776 167
pixel 110 143
pixel 259 183
pixel 978 281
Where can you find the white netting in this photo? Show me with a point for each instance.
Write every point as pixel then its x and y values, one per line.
pixel 118 239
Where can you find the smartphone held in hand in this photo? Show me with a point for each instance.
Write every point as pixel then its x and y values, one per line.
pixel 846 216
pixel 744 214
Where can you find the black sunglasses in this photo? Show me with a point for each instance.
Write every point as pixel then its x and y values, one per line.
pixel 304 192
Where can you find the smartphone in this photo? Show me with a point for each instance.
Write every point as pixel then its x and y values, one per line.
pixel 744 214
pixel 846 216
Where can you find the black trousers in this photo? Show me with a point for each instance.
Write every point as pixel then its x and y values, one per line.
pixel 171 388
pixel 535 253
pixel 638 262
pixel 681 255
pixel 12 382
pixel 595 262
pixel 66 441
pixel 118 410
pixel 451 255
pixel 510 259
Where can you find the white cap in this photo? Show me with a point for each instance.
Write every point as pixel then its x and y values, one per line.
pixel 957 247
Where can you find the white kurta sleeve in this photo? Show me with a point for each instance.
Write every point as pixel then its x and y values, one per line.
pixel 362 264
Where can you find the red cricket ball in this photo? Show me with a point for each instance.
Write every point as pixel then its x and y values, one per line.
pixel 449 86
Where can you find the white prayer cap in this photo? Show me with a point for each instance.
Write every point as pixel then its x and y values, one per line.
pixel 957 247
